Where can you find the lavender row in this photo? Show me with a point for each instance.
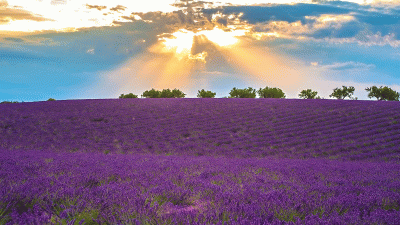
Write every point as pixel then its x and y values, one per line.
pixel 48 187
pixel 249 127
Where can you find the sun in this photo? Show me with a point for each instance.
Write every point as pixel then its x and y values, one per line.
pixel 223 38
pixel 181 42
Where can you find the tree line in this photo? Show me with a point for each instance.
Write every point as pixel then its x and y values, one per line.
pixel 381 93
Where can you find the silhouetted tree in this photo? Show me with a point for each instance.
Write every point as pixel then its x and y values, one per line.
pixel 343 93
pixel 309 94
pixel 205 94
pixel 383 93
pixel 242 93
pixel 130 95
pixel 271 93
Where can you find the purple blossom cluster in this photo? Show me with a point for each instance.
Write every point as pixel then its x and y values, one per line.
pixel 200 161
pixel 43 187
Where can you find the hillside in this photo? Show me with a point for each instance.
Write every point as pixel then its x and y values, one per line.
pixel 280 128
pixel 200 161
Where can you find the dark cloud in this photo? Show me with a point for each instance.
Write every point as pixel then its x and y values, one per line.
pixel 190 16
pixel 98 7
pixel 8 14
pixel 118 8
pixel 275 12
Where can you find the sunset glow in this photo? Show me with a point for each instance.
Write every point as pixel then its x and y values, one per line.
pixel 181 43
pixel 111 47
pixel 223 38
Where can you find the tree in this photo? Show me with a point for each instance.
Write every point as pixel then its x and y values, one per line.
pixel 271 93
pixel 151 94
pixel 177 93
pixel 130 95
pixel 383 93
pixel 309 94
pixel 242 93
pixel 3 102
pixel 343 93
pixel 166 93
pixel 51 99
pixel 205 94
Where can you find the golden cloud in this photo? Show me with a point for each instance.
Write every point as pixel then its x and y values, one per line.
pixel 8 14
pixel 118 8
pixel 98 7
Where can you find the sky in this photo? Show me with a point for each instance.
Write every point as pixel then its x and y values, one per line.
pixel 99 49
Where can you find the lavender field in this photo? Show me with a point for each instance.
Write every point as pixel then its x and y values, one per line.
pixel 200 161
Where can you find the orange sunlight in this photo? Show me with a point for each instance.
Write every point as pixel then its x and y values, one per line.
pixel 172 61
pixel 181 42
pixel 266 66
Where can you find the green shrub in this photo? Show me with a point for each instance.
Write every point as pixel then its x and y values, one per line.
pixel 177 93
pixel 151 94
pixel 130 95
pixel 3 102
pixel 242 93
pixel 51 99
pixel 165 93
pixel 271 93
pixel 205 94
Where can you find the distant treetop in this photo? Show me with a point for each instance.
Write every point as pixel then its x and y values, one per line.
pixel 242 93
pixel 130 95
pixel 205 94
pixel 309 94
pixel 383 93
pixel 268 92
pixel 342 93
pixel 165 93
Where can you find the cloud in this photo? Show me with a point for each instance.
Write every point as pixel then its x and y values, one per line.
pixel 347 66
pixel 3 3
pixel 328 28
pixel 98 7
pixel 279 12
pixel 189 16
pixel 385 3
pixel 17 40
pixel 90 51
pixel 118 8
pixel 8 14
pixel 369 40
pixel 58 2
pixel 323 21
